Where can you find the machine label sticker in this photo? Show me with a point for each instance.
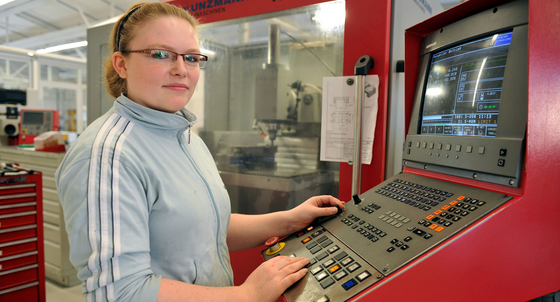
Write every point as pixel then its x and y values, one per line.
pixel 208 7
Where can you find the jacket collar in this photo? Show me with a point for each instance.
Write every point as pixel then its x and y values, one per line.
pixel 154 119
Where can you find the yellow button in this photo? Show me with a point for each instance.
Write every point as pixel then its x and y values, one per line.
pixel 334 268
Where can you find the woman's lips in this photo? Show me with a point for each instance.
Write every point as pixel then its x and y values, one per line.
pixel 177 87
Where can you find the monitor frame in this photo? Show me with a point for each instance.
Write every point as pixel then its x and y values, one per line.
pixel 479 158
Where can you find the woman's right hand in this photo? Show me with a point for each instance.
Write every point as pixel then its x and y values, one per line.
pixel 273 277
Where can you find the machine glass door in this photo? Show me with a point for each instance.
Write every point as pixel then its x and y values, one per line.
pixel 258 103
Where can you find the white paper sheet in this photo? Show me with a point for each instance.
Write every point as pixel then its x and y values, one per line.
pixel 337 121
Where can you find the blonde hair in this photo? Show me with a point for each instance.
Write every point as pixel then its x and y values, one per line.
pixel 136 16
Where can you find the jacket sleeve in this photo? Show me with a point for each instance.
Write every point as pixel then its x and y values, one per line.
pixel 106 214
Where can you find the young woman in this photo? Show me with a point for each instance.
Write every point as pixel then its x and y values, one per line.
pixel 147 215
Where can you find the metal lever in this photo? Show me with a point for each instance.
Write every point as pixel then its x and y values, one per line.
pixel 364 64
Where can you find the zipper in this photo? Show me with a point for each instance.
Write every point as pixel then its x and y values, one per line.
pixel 197 169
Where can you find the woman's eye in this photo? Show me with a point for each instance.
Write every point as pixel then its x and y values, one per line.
pixel 191 58
pixel 160 54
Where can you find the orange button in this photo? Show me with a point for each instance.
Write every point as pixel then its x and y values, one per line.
pixel 454 202
pixel 440 229
pixel 306 240
pixel 334 268
pixel 437 212
pixel 430 217
pixel 445 207
pixel 460 197
pixel 433 226
pixel 309 228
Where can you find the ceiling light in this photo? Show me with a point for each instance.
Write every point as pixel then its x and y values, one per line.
pixel 62 47
pixel 2 2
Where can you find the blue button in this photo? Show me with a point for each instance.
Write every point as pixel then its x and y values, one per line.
pixel 349 284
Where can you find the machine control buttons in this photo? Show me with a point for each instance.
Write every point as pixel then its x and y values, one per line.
pixel 480 150
pixel 340 275
pixel 334 269
pixel 315 249
pixel 431 145
pixel 316 270
pixel 363 276
pixel 321 276
pixel 448 147
pixel 469 149
pixel 311 262
pixel 299 234
pixel 321 239
pixel 317 233
pixel 347 261
pixel 439 146
pixel 326 243
pixel 340 256
pixel 349 284
pixel 274 245
pixel 333 249
pixel 324 298
pixel 390 249
pixel 327 282
pixel 503 152
pixel 322 255
pixel 501 162
pixel 424 145
pixel 306 240
pixel 328 263
pixel 458 148
pixel 407 239
pixel 404 247
pixel 311 245
pixel 353 267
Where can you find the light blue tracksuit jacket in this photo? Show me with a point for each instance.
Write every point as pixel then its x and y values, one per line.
pixel 143 202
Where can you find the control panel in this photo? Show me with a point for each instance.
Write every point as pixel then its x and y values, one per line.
pixel 381 231
pixel 34 122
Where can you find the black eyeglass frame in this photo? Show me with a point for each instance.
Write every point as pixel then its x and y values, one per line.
pixel 203 58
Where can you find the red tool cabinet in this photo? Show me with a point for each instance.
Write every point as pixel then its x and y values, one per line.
pixel 22 270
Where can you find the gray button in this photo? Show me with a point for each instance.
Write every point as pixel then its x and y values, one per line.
pixel 439 146
pixel 480 150
pixel 458 148
pixel 448 147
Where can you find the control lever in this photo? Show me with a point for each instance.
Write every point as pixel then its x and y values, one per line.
pixel 356 199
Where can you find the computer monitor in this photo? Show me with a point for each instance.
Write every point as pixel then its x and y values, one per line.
pixel 470 110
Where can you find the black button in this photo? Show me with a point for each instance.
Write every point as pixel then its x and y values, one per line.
pixel 503 152
pixel 481 203
pixel 349 284
pixel 326 243
pixel 327 282
pixel 311 262
pixel 501 162
pixel 315 249
pixel 340 256
pixel 321 256
pixel 407 239
pixel 319 232
pixel 404 247
pixel 311 245
pixel 323 238
pixel 456 218
pixel 390 249
pixel 428 236
pixel 419 232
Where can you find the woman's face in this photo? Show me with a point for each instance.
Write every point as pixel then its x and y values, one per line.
pixel 160 86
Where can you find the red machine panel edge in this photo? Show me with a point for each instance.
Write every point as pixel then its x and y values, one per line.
pixel 510 255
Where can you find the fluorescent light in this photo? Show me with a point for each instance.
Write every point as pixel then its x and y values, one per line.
pixel 207 52
pixel 2 2
pixel 330 15
pixel 62 47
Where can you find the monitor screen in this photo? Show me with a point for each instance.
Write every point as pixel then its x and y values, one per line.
pixel 463 88
pixel 32 118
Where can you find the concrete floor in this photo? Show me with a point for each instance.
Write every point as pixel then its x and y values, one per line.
pixel 57 293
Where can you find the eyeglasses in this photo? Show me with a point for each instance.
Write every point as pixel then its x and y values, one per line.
pixel 169 57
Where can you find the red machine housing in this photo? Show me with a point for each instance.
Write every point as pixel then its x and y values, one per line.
pixel 22 260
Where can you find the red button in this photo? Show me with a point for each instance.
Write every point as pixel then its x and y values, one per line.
pixel 272 241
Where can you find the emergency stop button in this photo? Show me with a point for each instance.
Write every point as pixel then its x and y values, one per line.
pixel 274 246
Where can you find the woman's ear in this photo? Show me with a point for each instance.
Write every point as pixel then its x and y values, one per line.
pixel 119 64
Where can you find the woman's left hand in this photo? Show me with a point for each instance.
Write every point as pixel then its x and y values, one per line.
pixel 317 206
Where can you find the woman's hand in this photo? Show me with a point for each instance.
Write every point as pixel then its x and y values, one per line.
pixel 317 206
pixel 273 277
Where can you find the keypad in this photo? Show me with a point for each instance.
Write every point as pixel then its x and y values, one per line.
pixel 414 195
